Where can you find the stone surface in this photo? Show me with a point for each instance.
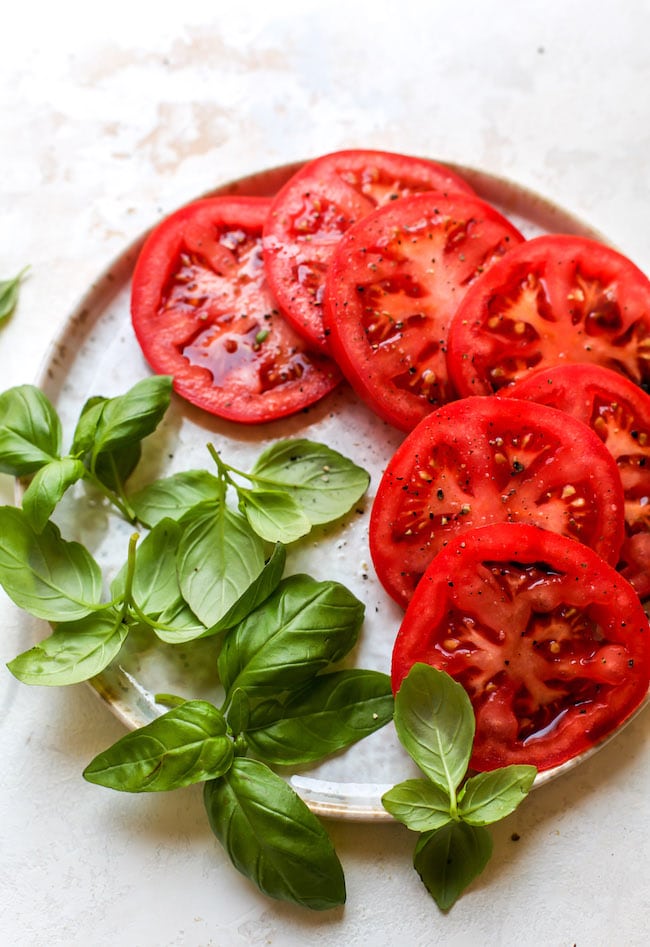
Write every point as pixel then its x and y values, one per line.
pixel 108 120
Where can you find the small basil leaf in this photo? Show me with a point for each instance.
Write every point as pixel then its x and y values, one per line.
pixel 30 431
pixel 188 744
pixel 488 797
pixel 274 515
pixel 172 497
pixel 178 624
pixel 450 858
pixel 155 583
pixel 74 652
pixel 256 593
pixel 132 416
pixel 322 481
pixel 332 712
pixel 9 292
pixel 219 557
pixel 47 488
pixel 113 468
pixel 418 804
pixel 169 700
pixel 272 837
pixel 42 573
pixel 86 429
pixel 239 711
pixel 301 629
pixel 435 724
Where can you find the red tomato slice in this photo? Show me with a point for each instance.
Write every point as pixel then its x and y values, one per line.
pixel 619 412
pixel 202 312
pixel 315 208
pixel 550 643
pixel 488 460
pixel 556 299
pixel 392 288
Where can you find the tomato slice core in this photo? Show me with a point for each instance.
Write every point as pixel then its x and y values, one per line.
pixel 551 644
pixel 202 312
pixel 487 460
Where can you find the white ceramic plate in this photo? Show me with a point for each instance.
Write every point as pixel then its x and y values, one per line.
pixel 97 354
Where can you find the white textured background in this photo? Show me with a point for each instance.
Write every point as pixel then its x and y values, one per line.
pixel 112 115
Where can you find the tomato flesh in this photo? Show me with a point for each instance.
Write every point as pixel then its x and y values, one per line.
pixel 392 288
pixel 619 412
pixel 202 312
pixel 316 207
pixel 550 643
pixel 557 299
pixel 486 460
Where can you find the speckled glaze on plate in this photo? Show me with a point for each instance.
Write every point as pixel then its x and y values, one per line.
pixel 96 354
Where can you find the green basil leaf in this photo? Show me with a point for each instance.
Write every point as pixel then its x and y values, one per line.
pixel 256 593
pixel 188 744
pixel 323 482
pixel 239 711
pixel 272 837
pixel 9 292
pixel 301 629
pixel 30 431
pixel 86 429
pixel 450 858
pixel 42 573
pixel 418 804
pixel 113 468
pixel 47 488
pixel 488 797
pixel 172 497
pixel 219 557
pixel 74 652
pixel 274 515
pixel 132 416
pixel 155 582
pixel 170 700
pixel 435 724
pixel 332 712
pixel 178 624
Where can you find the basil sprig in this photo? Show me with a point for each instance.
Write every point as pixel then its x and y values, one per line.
pixel 435 724
pixel 284 705
pixel 203 568
pixel 295 484
pixel 105 449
